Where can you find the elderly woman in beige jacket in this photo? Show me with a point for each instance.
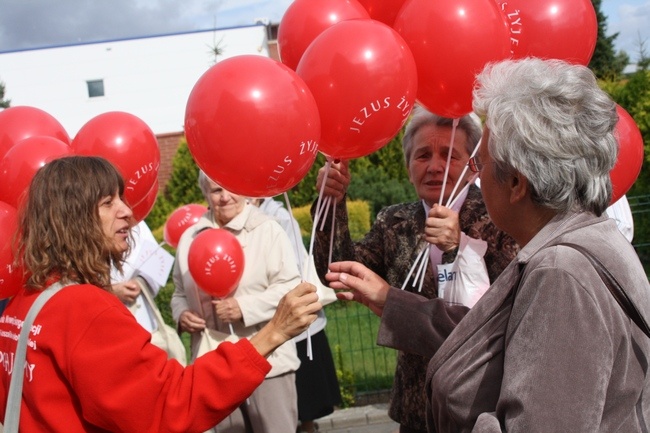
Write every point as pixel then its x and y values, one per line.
pixel 270 271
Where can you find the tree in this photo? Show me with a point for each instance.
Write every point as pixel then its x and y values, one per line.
pixel 182 188
pixel 606 63
pixel 4 103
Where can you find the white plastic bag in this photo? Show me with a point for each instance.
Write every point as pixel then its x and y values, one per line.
pixel 464 281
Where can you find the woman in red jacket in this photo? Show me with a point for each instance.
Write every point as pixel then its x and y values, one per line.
pixel 90 366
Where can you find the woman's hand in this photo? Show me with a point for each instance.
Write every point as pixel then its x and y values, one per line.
pixel 227 310
pixel 442 228
pixel 338 180
pixel 190 322
pixel 126 291
pixel 358 283
pixel 296 311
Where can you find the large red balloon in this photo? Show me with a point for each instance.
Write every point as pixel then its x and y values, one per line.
pixel 252 126
pixel 10 276
pixel 305 19
pixel 630 155
pixel 20 122
pixel 23 160
pixel 216 262
pixel 451 42
pixel 143 208
pixel 127 142
pixel 180 220
pixel 552 29
pixel 364 80
pixel 383 10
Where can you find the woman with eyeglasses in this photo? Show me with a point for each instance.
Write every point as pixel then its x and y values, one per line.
pixel 436 166
pixel 560 342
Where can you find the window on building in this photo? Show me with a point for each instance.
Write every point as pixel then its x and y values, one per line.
pixel 95 88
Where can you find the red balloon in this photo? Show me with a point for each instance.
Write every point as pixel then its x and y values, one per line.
pixel 216 261
pixel 23 160
pixel 451 42
pixel 127 142
pixel 252 126
pixel 630 155
pixel 383 10
pixel 20 122
pixel 364 80
pixel 180 220
pixel 551 29
pixel 305 19
pixel 10 276
pixel 143 208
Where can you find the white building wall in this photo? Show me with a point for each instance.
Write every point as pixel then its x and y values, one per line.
pixel 149 77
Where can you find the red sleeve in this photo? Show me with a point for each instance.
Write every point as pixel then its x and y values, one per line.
pixel 124 383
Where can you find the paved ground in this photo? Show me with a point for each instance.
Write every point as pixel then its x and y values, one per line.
pixel 364 419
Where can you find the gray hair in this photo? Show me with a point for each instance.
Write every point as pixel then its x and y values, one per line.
pixel 204 184
pixel 550 121
pixel 422 117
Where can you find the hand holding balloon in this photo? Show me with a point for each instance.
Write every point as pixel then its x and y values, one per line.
pixel 338 180
pixel 228 310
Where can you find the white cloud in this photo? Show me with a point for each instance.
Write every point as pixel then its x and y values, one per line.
pixel 631 20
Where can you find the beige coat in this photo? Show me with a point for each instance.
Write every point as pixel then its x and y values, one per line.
pixel 270 271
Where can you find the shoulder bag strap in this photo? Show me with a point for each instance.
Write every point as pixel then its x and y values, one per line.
pixel 614 287
pixel 146 294
pixel 14 398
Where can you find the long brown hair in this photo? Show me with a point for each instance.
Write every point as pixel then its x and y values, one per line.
pixel 60 230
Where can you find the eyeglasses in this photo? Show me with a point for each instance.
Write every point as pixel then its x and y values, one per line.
pixel 475 165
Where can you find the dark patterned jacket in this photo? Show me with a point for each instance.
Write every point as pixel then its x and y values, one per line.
pixel 389 249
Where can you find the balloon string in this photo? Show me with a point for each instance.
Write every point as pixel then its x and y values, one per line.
pixel 425 261
pixel 294 232
pixel 329 257
pixel 326 212
pixel 232 330
pixel 310 353
pixel 300 265
pixel 417 259
pixel 319 205
pixel 451 202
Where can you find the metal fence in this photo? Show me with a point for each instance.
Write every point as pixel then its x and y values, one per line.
pixel 366 370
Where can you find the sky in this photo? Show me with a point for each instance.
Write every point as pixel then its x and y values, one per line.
pixel 28 24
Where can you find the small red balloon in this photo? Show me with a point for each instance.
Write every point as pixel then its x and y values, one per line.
pixel 143 208
pixel 180 220
pixel 383 10
pixel 304 20
pixel 451 42
pixel 10 276
pixel 551 29
pixel 630 155
pixel 252 126
pixel 23 160
pixel 127 142
pixel 216 262
pixel 363 77
pixel 22 121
